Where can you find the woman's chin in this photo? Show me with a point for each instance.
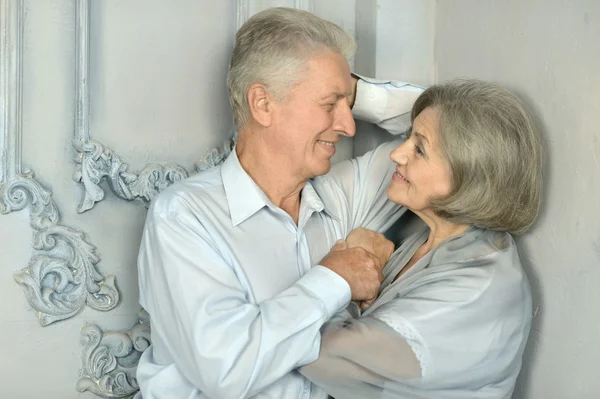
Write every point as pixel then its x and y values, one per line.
pixel 394 197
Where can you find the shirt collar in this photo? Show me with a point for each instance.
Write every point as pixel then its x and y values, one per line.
pixel 311 196
pixel 244 197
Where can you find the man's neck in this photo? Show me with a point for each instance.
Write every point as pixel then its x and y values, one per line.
pixel 269 172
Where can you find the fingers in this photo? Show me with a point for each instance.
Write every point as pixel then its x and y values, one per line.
pixel 360 268
pixel 340 245
pixel 365 304
pixel 371 241
pixel 377 264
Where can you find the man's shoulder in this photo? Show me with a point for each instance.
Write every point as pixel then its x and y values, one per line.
pixel 205 187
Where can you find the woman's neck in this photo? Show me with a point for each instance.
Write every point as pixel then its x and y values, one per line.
pixel 440 230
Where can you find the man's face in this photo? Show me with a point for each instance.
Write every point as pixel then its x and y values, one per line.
pixel 308 125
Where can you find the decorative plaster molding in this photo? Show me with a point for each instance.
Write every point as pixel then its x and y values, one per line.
pixel 61 276
pixel 216 155
pixel 242 14
pixel 95 162
pixel 11 45
pixel 110 359
pixel 306 5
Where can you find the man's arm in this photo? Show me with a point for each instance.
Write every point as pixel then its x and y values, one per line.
pixel 364 180
pixel 385 103
pixel 221 342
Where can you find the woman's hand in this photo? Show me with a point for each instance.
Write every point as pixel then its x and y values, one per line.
pixel 373 242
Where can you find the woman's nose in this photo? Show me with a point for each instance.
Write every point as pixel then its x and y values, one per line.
pixel 399 156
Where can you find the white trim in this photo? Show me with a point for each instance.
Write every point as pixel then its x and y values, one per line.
pixel 64 253
pixel 82 56
pixel 242 13
pixel 306 5
pixel 11 53
pixel 95 162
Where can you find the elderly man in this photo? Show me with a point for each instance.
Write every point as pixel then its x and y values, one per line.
pixel 236 266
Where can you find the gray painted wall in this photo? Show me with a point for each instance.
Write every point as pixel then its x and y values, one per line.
pixel 157 88
pixel 549 52
pixel 157 95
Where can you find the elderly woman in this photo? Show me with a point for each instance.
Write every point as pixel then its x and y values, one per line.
pixel 454 310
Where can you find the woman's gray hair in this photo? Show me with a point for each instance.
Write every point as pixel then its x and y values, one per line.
pixel 272 48
pixel 493 146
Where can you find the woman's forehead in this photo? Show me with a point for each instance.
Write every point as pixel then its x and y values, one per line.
pixel 426 125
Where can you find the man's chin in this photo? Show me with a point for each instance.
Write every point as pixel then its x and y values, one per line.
pixel 325 168
pixel 322 169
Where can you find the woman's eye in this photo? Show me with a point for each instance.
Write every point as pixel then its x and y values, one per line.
pixel 420 151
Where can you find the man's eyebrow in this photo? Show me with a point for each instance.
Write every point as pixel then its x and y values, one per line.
pixel 421 137
pixel 337 94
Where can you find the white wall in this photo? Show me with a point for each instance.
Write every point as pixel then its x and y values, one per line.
pixel 549 52
pixel 157 95
pixel 395 41
pixel 405 37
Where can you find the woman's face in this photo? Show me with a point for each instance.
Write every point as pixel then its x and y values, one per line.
pixel 422 171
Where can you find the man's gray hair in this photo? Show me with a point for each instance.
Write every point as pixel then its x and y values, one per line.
pixel 272 48
pixel 493 146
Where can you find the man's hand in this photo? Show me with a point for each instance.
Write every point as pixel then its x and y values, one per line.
pixel 360 268
pixel 373 242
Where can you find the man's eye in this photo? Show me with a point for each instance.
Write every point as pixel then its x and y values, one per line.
pixel 329 107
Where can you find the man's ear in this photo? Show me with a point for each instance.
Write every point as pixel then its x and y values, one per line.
pixel 260 103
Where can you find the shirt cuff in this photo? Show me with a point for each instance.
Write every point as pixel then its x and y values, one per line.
pixel 329 287
pixel 370 101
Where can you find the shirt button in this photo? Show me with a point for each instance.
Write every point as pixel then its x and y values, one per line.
pixel 371 95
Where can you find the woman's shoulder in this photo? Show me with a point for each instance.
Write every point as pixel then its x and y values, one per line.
pixel 473 245
pixel 483 295
pixel 461 270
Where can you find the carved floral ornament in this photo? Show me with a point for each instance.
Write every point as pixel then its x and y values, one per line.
pixel 95 162
pixel 109 359
pixel 61 276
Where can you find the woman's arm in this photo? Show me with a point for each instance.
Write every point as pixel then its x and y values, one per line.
pixel 358 357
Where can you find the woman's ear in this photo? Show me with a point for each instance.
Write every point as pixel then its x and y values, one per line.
pixel 260 104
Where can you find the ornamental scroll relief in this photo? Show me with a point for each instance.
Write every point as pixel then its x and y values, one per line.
pixel 95 162
pixel 109 359
pixel 61 276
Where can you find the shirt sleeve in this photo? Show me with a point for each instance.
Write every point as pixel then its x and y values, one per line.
pixel 386 103
pixel 364 180
pixel 361 358
pixel 224 344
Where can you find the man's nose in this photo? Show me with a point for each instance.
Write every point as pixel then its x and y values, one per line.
pixel 344 121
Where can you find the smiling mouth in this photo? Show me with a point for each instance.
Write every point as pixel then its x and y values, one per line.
pixel 398 175
pixel 328 143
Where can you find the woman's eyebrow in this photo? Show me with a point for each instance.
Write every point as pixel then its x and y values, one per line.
pixel 421 137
